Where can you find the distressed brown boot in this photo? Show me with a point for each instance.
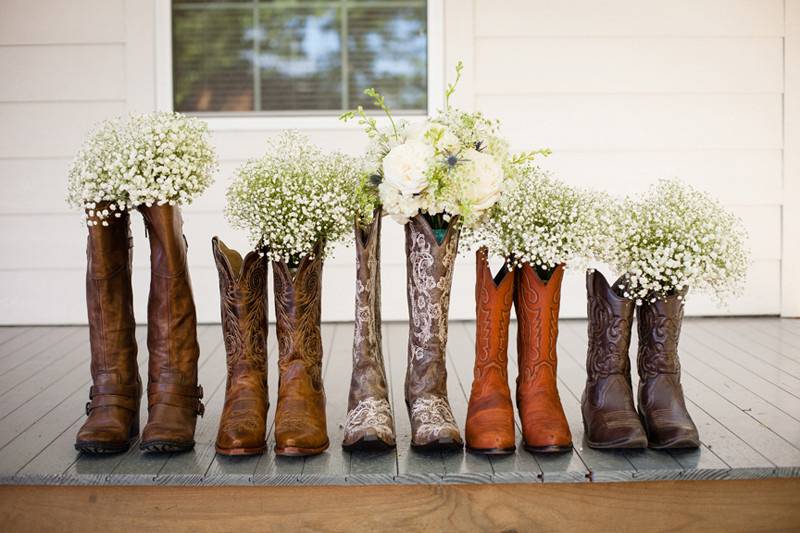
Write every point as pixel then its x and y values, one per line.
pixel 429 268
pixel 490 415
pixel 369 415
pixel 609 416
pixel 173 396
pixel 661 404
pixel 300 423
pixel 537 302
pixel 243 299
pixel 113 409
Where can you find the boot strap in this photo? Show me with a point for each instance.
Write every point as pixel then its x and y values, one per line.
pixel 108 400
pixel 183 396
pixel 115 390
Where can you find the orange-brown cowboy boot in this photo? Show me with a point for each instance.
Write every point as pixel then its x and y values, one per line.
pixel 544 426
pixel 173 396
pixel 113 423
pixel 243 299
pixel 490 415
pixel 300 423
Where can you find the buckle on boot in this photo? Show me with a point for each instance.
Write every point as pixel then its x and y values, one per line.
pixel 201 409
pixel 88 408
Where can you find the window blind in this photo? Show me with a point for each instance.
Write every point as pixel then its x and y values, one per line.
pixel 298 57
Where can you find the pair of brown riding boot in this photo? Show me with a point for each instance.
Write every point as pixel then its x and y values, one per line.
pixel 173 395
pixel 490 415
pixel 300 424
pixel 609 417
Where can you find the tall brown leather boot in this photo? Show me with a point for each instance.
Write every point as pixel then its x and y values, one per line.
pixel 300 424
pixel 369 415
pixel 661 404
pixel 173 396
pixel 429 272
pixel 243 298
pixel 490 415
pixel 544 426
pixel 113 409
pixel 609 417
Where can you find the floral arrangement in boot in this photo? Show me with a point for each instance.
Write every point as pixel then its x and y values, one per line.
pixel 538 225
pixel 670 239
pixel 452 164
pixel 674 237
pixel 153 163
pixel 149 159
pixel 294 203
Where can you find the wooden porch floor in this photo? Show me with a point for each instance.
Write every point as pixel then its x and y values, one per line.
pixel 741 378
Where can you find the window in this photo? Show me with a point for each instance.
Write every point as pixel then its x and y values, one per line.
pixel 298 57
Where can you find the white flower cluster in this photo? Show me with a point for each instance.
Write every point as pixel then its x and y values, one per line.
pixel 294 197
pixel 156 158
pixel 451 164
pixel 675 237
pixel 543 222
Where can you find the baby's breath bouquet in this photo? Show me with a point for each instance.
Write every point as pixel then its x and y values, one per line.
pixel 453 163
pixel 674 237
pixel 542 222
pixel 295 197
pixel 157 158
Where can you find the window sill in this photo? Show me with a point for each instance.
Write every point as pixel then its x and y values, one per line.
pixel 261 123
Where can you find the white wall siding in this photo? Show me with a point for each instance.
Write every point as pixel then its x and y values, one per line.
pixel 624 92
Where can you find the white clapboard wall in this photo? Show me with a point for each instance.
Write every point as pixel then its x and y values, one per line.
pixel 624 92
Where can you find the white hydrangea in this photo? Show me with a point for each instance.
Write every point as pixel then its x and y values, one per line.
pixel 543 222
pixel 675 237
pixel 294 197
pixel 158 158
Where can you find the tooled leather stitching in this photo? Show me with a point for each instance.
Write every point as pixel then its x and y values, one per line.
pixel 659 332
pixel 609 335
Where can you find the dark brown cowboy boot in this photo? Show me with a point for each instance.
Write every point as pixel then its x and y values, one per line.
pixel 609 416
pixel 243 298
pixel 113 423
pixel 429 271
pixel 369 416
pixel 173 396
pixel 537 302
pixel 300 424
pixel 661 404
pixel 490 415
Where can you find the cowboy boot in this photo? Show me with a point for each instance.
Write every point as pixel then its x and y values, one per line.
pixel 369 416
pixel 661 404
pixel 609 417
pixel 243 296
pixel 113 409
pixel 429 271
pixel 300 424
pixel 544 426
pixel 173 396
pixel 490 415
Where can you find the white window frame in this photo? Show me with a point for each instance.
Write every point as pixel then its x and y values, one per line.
pixel 164 96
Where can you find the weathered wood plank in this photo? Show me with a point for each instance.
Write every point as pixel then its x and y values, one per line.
pixel 37 342
pixel 769 350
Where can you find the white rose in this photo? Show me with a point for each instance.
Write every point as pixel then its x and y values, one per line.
pixel 404 167
pixel 486 179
